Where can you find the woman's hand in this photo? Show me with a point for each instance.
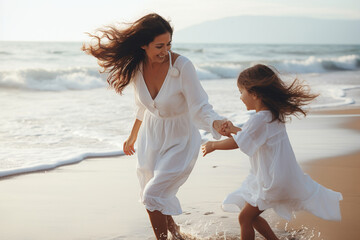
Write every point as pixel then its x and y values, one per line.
pixel 128 146
pixel 207 148
pixel 218 126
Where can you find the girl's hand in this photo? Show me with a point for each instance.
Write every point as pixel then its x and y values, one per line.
pixel 228 128
pixel 207 148
pixel 128 146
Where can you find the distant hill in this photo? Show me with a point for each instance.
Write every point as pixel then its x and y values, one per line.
pixel 263 29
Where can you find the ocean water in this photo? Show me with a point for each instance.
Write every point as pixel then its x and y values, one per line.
pixel 56 108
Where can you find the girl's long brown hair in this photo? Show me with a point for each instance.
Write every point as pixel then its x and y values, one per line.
pixel 281 99
pixel 119 52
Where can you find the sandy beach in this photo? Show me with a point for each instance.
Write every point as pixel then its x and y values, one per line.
pixel 98 198
pixel 340 173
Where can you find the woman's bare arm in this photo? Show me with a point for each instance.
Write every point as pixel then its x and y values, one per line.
pixel 128 146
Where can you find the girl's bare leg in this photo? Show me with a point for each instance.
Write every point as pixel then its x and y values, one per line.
pixel 159 224
pixel 174 228
pixel 262 226
pixel 249 218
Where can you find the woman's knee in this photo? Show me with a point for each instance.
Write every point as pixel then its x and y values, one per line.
pixel 248 214
pixel 244 218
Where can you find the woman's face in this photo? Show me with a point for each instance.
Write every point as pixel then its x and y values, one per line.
pixel 157 50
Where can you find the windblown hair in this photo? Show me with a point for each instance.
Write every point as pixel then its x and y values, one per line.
pixel 281 99
pixel 119 51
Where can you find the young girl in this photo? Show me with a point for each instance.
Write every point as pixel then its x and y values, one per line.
pixel 276 180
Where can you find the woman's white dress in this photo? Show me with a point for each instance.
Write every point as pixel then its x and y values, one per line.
pixel 276 180
pixel 169 139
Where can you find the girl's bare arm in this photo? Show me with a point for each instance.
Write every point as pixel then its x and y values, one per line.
pixel 227 144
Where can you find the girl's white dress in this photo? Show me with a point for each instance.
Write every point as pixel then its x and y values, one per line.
pixel 169 139
pixel 276 180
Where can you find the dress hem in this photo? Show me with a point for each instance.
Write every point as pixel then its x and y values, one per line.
pixel 167 206
pixel 330 211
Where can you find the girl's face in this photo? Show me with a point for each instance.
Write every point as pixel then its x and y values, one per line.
pixel 248 99
pixel 157 50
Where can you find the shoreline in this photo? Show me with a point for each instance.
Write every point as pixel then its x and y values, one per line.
pixel 18 174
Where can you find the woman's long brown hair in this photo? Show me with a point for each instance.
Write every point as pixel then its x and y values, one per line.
pixel 119 52
pixel 281 99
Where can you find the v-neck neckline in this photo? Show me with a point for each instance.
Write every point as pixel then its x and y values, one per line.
pixel 162 85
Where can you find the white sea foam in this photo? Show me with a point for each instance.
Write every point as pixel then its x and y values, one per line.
pixel 204 74
pixel 83 78
pixel 221 70
pixel 63 66
pixel 52 80
pixel 47 165
pixel 314 64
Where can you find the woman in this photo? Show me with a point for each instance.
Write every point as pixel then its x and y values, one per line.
pixel 171 104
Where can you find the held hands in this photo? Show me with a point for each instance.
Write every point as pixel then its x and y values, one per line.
pixel 228 128
pixel 224 127
pixel 128 146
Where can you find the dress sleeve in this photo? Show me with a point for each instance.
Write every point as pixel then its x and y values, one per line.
pixel 140 108
pixel 252 136
pixel 201 111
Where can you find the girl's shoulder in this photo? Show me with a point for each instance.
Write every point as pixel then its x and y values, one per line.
pixel 256 121
pixel 261 117
pixel 272 127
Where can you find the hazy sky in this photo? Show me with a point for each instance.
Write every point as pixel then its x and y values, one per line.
pixel 67 20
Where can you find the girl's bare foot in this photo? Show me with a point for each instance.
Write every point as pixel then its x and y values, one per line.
pixel 174 229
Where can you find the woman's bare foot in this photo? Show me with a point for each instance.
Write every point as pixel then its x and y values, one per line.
pixel 174 229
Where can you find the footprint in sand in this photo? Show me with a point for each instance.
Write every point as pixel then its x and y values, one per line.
pixel 208 213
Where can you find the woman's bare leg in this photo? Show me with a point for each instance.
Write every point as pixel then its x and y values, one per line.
pixel 249 218
pixel 262 226
pixel 174 228
pixel 159 224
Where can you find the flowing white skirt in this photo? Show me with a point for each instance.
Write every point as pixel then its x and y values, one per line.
pixel 308 195
pixel 167 152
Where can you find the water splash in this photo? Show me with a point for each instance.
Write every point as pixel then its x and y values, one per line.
pixel 202 231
